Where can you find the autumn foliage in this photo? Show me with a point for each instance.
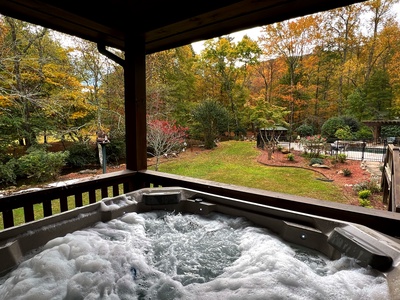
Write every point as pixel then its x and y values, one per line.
pixel 164 138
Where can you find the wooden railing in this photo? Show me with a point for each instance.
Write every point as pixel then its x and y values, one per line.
pixel 391 178
pixel 55 199
pixel 383 221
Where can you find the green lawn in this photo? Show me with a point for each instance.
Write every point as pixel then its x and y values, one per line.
pixel 236 163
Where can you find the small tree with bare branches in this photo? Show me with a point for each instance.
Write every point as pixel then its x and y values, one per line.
pixel 164 138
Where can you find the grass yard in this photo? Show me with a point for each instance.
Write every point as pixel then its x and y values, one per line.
pixel 236 163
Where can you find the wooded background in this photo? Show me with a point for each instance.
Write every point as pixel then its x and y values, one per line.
pixel 343 62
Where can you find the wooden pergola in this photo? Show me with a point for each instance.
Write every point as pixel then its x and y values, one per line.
pixel 268 133
pixel 143 27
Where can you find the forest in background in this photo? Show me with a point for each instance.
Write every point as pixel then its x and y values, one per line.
pixel 299 74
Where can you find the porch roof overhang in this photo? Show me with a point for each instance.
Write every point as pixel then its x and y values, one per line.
pixel 162 24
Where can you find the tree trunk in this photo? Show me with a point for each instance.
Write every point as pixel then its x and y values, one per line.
pixel 270 151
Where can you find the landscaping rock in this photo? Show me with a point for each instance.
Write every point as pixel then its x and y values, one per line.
pixel 320 166
pixel 285 151
pixel 87 171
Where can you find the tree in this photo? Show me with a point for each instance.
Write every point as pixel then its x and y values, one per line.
pixel 305 130
pixel 181 79
pixel 269 72
pixel 211 119
pixel 90 66
pixel 330 127
pixel 39 91
pixel 374 100
pixel 113 112
pixel 226 65
pixel 94 69
pixel 23 81
pixel 171 84
pixel 341 29
pixel 381 13
pixel 267 115
pixel 163 138
pixel 291 40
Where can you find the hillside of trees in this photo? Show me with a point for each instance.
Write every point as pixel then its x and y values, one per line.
pixel 300 73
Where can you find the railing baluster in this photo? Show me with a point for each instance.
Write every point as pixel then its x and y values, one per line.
pixel 92 196
pixel 28 213
pixel 115 190
pixel 78 200
pixel 104 192
pixel 8 218
pixel 47 211
pixel 127 187
pixel 63 203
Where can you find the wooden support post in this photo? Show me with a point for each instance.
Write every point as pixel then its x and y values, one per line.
pixel 135 102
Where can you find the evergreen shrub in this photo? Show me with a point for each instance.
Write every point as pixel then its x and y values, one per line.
pixel 80 155
pixel 40 165
pixel 316 160
pixel 7 172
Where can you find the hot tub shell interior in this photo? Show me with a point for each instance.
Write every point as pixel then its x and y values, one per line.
pixel 333 238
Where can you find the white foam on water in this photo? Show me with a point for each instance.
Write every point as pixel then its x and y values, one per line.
pixel 109 204
pixel 158 255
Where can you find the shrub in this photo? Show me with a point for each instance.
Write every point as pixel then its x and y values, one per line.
pixel 371 185
pixel 364 134
pixel 7 173
pixel 330 126
pixel 210 119
pixel 3 153
pixel 305 130
pixel 346 172
pixel 365 203
pixel 116 150
pixel 41 165
pixel 351 122
pixel 290 157
pixel 333 160
pixel 391 130
pixel 341 157
pixel 316 160
pixel 80 155
pixel 364 194
pixel 313 144
pixel 344 133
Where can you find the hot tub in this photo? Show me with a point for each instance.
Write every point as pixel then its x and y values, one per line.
pixel 332 238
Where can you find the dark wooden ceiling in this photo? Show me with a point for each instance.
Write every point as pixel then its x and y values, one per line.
pixel 163 24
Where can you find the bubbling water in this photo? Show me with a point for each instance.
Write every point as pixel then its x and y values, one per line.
pixel 159 255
